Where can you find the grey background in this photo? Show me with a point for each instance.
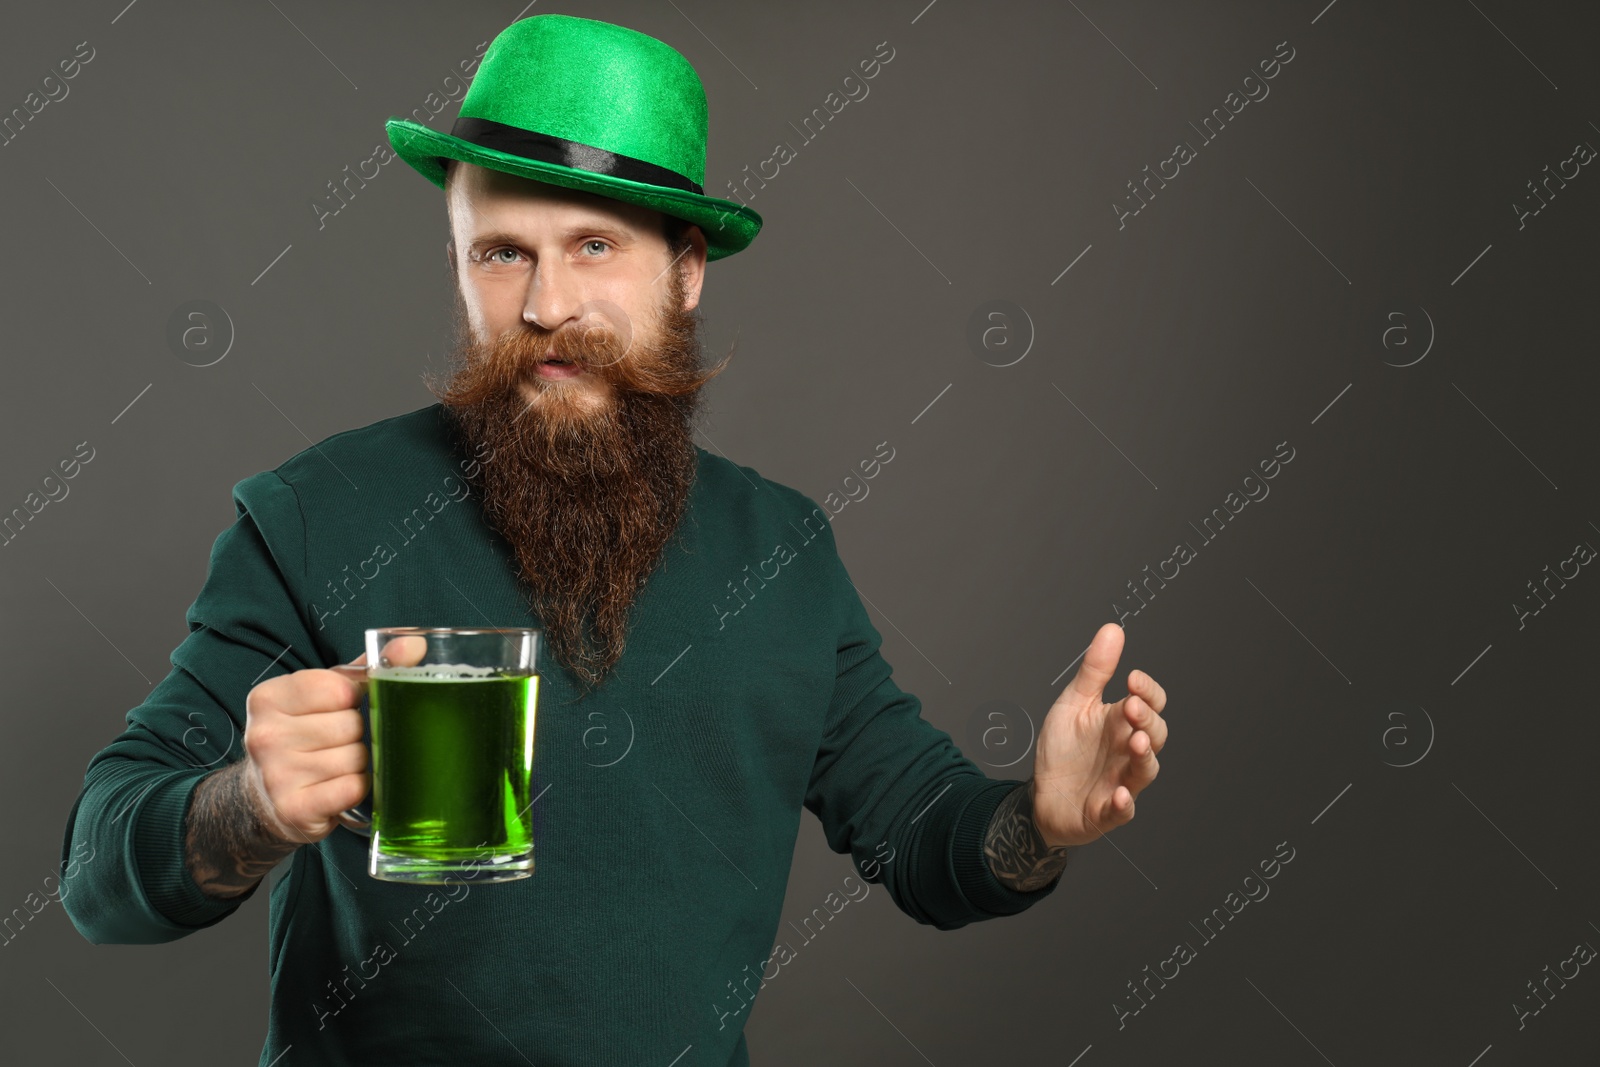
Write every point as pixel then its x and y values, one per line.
pixel 1358 618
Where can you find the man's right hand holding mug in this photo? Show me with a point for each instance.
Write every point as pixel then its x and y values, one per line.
pixel 305 763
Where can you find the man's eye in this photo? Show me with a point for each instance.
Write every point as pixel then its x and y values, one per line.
pixel 495 252
pixel 602 244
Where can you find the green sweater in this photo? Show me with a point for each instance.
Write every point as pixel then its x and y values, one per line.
pixel 751 685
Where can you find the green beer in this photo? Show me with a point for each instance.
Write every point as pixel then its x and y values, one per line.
pixel 452 755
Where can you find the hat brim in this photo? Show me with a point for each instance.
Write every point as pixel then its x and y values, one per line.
pixel 729 227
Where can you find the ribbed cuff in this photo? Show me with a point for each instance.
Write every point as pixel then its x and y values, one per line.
pixel 159 853
pixel 973 874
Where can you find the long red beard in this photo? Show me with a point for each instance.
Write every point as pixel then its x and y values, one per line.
pixel 587 498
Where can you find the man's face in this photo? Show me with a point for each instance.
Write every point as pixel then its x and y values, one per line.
pixel 540 259
pixel 589 466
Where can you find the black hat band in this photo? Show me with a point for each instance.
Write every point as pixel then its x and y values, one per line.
pixel 513 140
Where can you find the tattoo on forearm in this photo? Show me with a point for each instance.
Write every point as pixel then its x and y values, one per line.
pixel 228 846
pixel 1017 854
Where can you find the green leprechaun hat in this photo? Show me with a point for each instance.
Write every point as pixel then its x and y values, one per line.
pixel 592 106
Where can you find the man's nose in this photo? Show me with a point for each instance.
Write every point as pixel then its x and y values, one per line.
pixel 554 296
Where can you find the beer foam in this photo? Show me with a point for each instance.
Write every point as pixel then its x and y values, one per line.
pixel 440 672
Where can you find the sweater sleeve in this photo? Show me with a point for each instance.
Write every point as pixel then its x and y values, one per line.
pixel 128 883
pixel 895 791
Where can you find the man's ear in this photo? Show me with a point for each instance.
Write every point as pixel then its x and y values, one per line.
pixel 450 254
pixel 694 267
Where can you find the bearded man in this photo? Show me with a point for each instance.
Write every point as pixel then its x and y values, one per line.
pixel 586 404
pixel 694 613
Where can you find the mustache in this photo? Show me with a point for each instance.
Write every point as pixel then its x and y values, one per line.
pixel 609 349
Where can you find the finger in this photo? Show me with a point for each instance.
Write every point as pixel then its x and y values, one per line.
pixel 335 763
pixel 1099 664
pixel 1147 687
pixel 326 799
pixel 1108 813
pixel 405 651
pixel 1122 804
pixel 330 730
pixel 319 689
pixel 313 768
pixel 1143 766
pixel 1141 717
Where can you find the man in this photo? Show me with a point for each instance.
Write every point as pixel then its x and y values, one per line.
pixel 695 613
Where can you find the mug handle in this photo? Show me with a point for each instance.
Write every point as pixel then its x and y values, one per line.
pixel 351 818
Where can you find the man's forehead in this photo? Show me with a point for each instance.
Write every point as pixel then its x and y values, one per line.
pixel 487 196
